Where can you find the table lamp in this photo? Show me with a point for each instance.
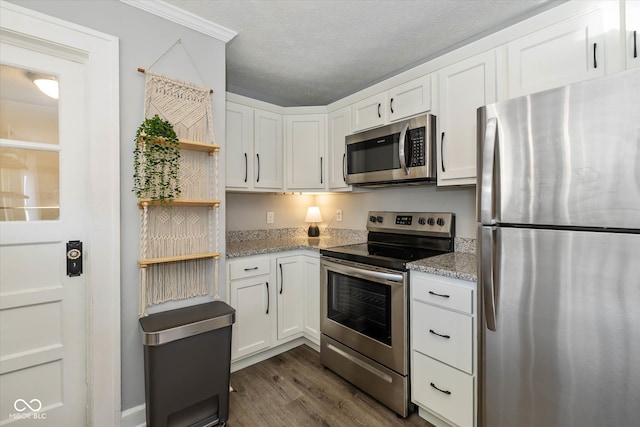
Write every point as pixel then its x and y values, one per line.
pixel 313 216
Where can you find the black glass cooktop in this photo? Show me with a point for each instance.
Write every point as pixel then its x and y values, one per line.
pixel 381 255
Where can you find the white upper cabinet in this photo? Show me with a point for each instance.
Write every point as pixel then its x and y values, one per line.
pixel 567 52
pixel 254 157
pixel 410 98
pixel 268 160
pixel 402 101
pixel 339 128
pixel 239 146
pixel 306 159
pixel 464 87
pixel 632 39
pixel 369 113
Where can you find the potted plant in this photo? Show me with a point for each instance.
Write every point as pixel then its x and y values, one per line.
pixel 156 161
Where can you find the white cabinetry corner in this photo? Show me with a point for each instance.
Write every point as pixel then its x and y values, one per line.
pixel 463 88
pixel 632 33
pixel 339 128
pixel 566 52
pixel 306 140
pixel 443 349
pixel 290 295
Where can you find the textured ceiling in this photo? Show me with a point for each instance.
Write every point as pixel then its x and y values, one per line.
pixel 305 52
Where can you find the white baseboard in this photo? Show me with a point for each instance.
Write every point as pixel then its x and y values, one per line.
pixel 134 417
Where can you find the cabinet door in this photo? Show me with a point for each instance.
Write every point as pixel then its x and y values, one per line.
pixel 464 87
pixel 369 113
pixel 339 128
pixel 311 280
pixel 239 146
pixel 632 13
pixel 410 98
pixel 564 53
pixel 306 160
pixel 268 150
pixel 254 307
pixel 290 294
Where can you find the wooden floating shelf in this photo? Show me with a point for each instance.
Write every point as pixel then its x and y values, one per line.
pixel 146 262
pixel 179 202
pixel 189 145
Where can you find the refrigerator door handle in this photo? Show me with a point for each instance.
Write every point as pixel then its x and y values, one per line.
pixel 488 276
pixel 488 192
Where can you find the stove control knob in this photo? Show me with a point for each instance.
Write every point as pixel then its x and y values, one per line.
pixel 431 221
pixel 440 222
pixel 422 221
pixel 372 218
pixel 379 218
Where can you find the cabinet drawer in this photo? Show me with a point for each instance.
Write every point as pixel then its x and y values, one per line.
pixel 443 335
pixel 440 291
pixel 248 268
pixel 442 390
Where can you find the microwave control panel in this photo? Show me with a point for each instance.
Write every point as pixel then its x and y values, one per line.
pixel 416 144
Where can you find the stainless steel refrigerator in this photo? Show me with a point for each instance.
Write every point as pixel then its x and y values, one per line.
pixel 559 257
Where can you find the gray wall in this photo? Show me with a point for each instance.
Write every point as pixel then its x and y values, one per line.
pixel 143 39
pixel 248 211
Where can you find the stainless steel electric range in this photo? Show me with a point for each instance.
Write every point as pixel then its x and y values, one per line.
pixel 364 301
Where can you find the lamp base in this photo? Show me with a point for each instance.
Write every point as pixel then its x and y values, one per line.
pixel 314 231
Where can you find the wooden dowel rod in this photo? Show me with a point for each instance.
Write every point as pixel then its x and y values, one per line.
pixel 142 70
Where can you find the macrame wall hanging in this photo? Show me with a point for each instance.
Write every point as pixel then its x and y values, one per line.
pixel 179 238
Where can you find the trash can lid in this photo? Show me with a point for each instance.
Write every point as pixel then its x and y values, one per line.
pixel 166 326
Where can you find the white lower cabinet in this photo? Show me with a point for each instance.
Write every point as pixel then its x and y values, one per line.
pixel 277 300
pixel 251 294
pixel 443 349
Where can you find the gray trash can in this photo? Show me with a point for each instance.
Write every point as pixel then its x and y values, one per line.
pixel 187 357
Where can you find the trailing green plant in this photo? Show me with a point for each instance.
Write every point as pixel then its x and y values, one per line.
pixel 156 159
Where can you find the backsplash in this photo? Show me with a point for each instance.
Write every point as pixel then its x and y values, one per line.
pixel 464 245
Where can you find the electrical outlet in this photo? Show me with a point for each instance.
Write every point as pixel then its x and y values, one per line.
pixel 270 217
pixel 339 215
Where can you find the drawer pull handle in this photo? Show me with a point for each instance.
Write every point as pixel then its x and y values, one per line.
pixel 252 268
pixel 440 335
pixel 440 390
pixel 438 295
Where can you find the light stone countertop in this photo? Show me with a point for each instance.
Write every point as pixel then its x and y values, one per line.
pixel 459 265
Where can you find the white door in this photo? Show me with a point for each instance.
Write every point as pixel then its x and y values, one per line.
pixel 43 373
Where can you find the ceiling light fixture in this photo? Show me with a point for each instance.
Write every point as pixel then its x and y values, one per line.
pixel 47 84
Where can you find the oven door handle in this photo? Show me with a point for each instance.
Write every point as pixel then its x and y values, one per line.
pixel 367 274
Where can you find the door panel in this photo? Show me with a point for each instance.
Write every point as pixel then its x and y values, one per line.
pixel 43 373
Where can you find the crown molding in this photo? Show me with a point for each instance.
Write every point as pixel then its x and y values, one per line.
pixel 182 17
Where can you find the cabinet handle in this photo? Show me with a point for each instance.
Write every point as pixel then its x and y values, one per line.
pixel 267 283
pixel 252 268
pixel 391 105
pixel 321 177
pixel 595 61
pixel 440 335
pixel 246 167
pixel 440 390
pixel 635 44
pixel 438 295
pixel 258 177
pixel 281 278
pixel 379 115
pixel 442 151
pixel 344 167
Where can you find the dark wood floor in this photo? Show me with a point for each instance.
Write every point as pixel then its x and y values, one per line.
pixel 294 389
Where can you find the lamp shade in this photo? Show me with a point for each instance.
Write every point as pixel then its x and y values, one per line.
pixel 313 214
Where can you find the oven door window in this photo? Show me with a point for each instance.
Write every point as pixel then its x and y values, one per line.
pixel 360 305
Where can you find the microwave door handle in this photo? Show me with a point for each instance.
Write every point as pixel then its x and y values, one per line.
pixel 401 144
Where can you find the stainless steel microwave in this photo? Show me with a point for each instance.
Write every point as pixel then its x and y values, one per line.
pixel 399 153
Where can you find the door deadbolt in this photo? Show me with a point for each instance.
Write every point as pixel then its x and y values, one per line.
pixel 74 258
